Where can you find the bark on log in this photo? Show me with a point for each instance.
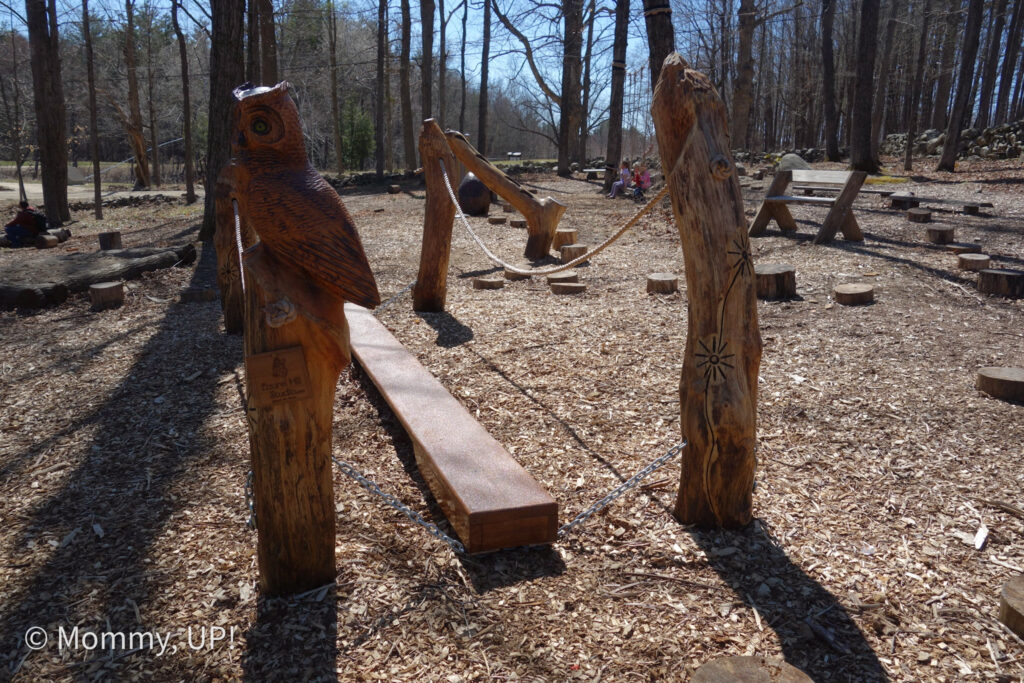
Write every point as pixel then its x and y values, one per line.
pixel 919 215
pixel 104 295
pixel 564 236
pixel 110 240
pixel 564 276
pixel 568 287
pixel 662 283
pixel 973 261
pixel 46 241
pixel 775 281
pixel 570 251
pixel 1004 383
pixel 542 215
pixel 718 391
pixel 32 295
pixel 431 287
pixel 941 235
pixel 1011 605
pixel 1001 281
pixel 854 294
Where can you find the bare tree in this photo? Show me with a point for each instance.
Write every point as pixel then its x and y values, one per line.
pixel 965 80
pixel 14 131
pixel 661 37
pixel 481 122
pixel 828 81
pixel 915 91
pixel 332 46
pixel 382 43
pixel 132 122
pixel 988 75
pixel 1013 38
pixel 861 158
pixel 268 43
pixel 945 83
pixel 405 94
pixel 614 154
pixel 571 114
pixel 186 105
pixel 884 76
pixel 154 130
pixel 427 65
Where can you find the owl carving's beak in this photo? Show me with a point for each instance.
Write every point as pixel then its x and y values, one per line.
pixel 241 141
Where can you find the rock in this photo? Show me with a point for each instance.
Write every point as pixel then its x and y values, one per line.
pixel 792 162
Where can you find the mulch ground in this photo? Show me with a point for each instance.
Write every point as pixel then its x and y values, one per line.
pixel 124 453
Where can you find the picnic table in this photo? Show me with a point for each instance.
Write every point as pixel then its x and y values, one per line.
pixel 840 208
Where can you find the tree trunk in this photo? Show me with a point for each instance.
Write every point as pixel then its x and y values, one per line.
pixel 718 390
pixel 44 46
pixel 569 115
pixel 462 68
pixel 427 66
pixel 382 30
pixel 94 137
pixel 614 155
pixel 661 37
pixel 186 98
pixel 332 46
pixel 268 43
pixel 884 75
pixel 915 91
pixel 741 96
pixel 1013 38
pixel 828 81
pixel 945 84
pixel 442 63
pixel 965 79
pixel 988 77
pixel 581 156
pixel 439 213
pixel 252 51
pixel 861 158
pixel 154 129
pixel 405 92
pixel 481 124
pixel 226 72
pixel 134 122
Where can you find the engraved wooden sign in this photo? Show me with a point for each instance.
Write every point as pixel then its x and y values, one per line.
pixel 278 376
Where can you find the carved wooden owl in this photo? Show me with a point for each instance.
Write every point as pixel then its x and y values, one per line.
pixel 300 219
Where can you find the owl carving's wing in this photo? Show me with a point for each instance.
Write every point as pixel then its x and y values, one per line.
pixel 301 219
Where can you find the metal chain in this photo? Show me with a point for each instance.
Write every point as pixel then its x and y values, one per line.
pixel 394 298
pixel 393 502
pixel 622 489
pixel 555 269
pixel 250 502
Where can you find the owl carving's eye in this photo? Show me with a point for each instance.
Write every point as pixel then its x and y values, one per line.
pixel 260 126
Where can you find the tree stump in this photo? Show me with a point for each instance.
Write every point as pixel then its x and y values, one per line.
pixel 510 275
pixel 973 261
pixel 758 174
pixel 568 287
pixel 564 276
pixel 496 220
pixel 508 208
pixel 1003 383
pixel 971 209
pixel 394 189
pixel 1001 281
pixel 517 222
pixel 564 236
pixel 916 215
pixel 854 294
pixel 570 251
pixel 488 283
pixel 104 295
pixel 749 670
pixel 662 283
pixel 963 248
pixel 940 235
pixel 110 240
pixel 46 241
pixel 775 281
pixel 1011 605
pixel 902 201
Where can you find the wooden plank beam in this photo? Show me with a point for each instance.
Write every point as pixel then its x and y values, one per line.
pixel 490 500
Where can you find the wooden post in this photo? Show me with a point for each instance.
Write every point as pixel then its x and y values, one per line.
pixel 439 213
pixel 110 240
pixel 542 215
pixel 104 295
pixel 775 281
pixel 718 391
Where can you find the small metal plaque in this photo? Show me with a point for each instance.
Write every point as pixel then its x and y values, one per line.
pixel 278 376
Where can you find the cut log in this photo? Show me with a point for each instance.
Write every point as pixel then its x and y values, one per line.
pixel 941 235
pixel 110 240
pixel 570 251
pixel 541 216
pixel 718 388
pixel 562 237
pixel 104 295
pixel 903 201
pixel 496 220
pixel 32 295
pixel 46 241
pixel 508 208
pixel 758 174
pixel 854 294
pixel 775 281
pixel 488 283
pixel 662 283
pixel 431 288
pixel 1011 605
pixel 750 669
pixel 971 209
pixel 568 287
pixel 62 234
pixel 973 261
pixel 517 222
pixel 1001 281
pixel 1004 383
pixel 564 276
pixel 916 215
pixel 509 275
pixel 394 189
pixel 963 248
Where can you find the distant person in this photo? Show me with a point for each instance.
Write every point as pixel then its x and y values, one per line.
pixel 27 223
pixel 622 182
pixel 641 180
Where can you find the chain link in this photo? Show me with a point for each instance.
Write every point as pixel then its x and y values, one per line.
pixel 250 502
pixel 394 298
pixel 622 489
pixel 396 504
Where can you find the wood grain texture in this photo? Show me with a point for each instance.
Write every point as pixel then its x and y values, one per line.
pixel 718 390
pixel 542 215
pixel 224 240
pixel 431 289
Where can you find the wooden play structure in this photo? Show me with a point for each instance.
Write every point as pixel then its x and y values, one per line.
pixel 840 208
pixel 302 260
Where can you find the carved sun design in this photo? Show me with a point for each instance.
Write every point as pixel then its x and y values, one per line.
pixel 714 359
pixel 741 250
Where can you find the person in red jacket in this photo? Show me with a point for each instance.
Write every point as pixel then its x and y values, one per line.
pixel 22 230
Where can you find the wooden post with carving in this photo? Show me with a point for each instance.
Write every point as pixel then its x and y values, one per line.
pixel 542 215
pixel 432 281
pixel 307 263
pixel 229 279
pixel 718 391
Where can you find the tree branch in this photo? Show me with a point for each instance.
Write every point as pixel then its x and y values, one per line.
pixel 551 95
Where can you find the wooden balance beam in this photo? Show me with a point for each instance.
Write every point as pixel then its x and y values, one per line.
pixel 490 500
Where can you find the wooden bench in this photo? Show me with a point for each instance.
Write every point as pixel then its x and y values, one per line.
pixel 840 215
pixel 490 500
pixel 594 173
pixel 515 156
pixel 912 201
pixel 809 190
